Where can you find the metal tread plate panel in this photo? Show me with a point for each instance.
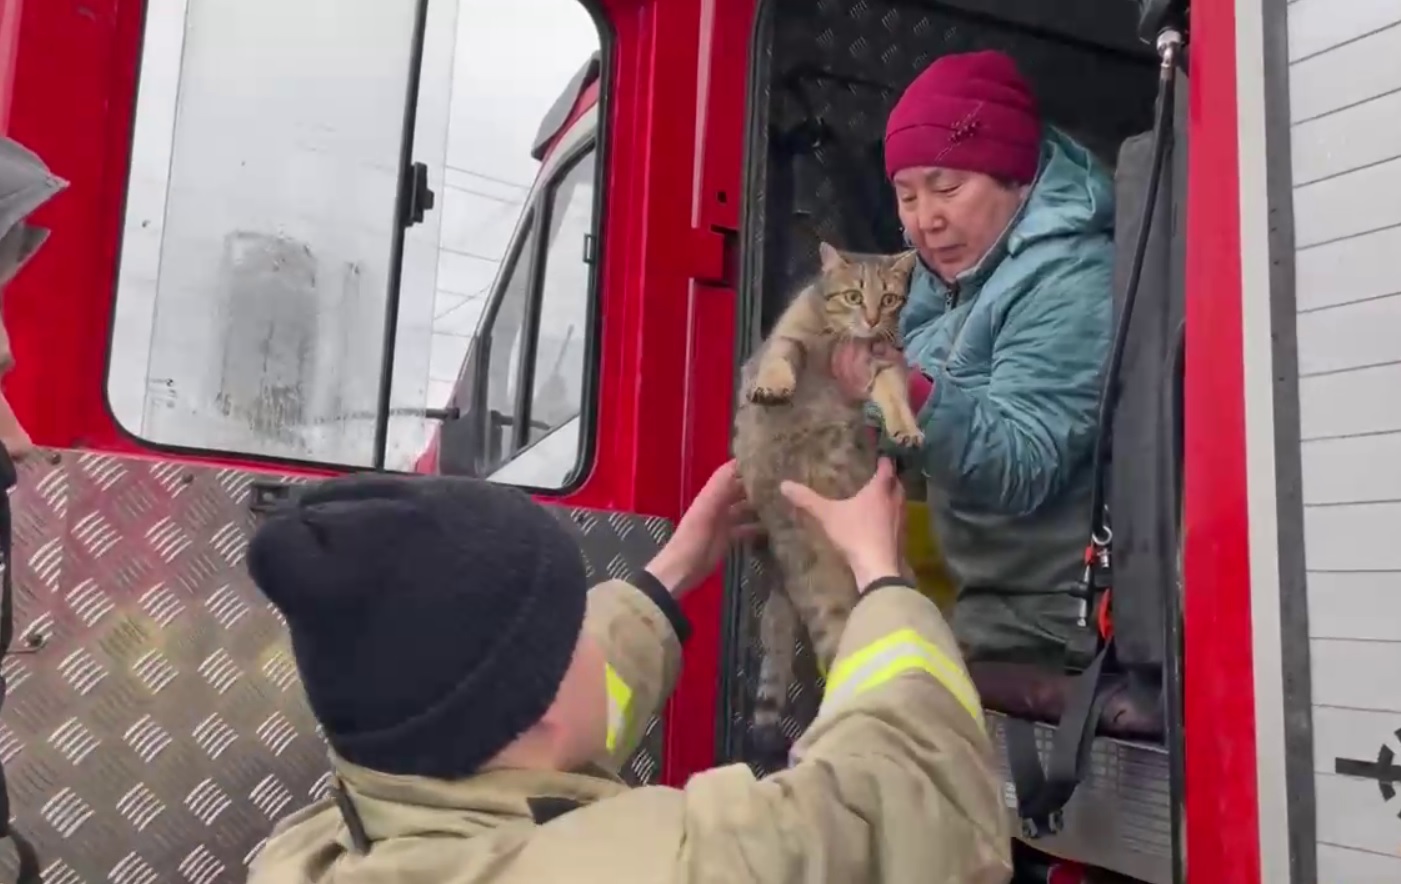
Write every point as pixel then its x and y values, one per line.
pixel 1119 817
pixel 846 62
pixel 160 730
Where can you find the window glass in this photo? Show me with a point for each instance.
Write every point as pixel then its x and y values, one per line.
pixel 558 377
pixel 258 255
pixel 548 308
pixel 505 339
pixel 506 80
pixel 548 463
pixel 258 261
pixel 482 354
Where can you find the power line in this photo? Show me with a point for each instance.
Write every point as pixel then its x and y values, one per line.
pixel 466 254
pixel 468 295
pixel 486 177
pixel 486 196
pixel 466 299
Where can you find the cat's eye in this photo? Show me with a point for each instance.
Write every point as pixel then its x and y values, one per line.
pixel 853 297
pixel 889 299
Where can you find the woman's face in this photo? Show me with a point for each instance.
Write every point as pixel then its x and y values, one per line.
pixel 954 217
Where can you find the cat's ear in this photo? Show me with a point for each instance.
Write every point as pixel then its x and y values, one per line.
pixel 831 256
pixel 904 263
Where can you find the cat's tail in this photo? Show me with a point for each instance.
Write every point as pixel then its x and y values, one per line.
pixel 777 622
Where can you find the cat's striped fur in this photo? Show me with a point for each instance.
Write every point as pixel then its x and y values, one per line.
pixel 793 422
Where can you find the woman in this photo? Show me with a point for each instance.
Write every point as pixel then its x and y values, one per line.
pixel 1008 323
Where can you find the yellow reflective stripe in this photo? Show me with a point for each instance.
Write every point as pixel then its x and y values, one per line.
pixel 619 705
pixel 899 652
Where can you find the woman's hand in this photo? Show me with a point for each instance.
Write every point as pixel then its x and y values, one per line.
pixel 718 517
pixel 866 528
pixel 853 368
pixel 854 365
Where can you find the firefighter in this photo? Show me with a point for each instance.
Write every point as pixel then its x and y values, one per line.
pixel 25 185
pixel 479 702
pixel 1008 324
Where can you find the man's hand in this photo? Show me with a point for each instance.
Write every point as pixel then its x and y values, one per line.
pixel 867 528
pixel 716 518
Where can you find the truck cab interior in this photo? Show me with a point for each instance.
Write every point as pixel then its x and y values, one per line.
pixel 824 76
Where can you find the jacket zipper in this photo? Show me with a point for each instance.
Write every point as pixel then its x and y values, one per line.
pixel 951 296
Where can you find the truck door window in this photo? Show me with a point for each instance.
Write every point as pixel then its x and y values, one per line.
pixel 505 341
pixel 541 313
pixel 558 380
pixel 262 246
pixel 279 231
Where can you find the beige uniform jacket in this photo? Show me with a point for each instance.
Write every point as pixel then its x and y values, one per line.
pixel 894 782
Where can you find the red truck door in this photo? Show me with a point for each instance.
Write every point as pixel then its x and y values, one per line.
pixel 272 244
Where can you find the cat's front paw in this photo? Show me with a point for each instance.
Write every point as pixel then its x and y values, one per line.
pixel 770 395
pixel 906 437
pixel 774 385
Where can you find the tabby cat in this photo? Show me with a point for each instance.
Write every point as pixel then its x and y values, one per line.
pixel 793 422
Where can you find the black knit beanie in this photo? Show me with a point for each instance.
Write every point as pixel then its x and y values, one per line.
pixel 432 618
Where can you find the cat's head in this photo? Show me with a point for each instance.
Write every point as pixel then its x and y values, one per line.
pixel 862 294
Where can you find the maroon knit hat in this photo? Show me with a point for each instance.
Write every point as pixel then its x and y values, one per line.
pixel 972 111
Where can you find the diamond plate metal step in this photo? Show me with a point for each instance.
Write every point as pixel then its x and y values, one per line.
pixel 160 730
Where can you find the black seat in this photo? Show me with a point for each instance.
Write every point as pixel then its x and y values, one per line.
pixel 1132 711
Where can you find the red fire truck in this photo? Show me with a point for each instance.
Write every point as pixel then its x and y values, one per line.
pixel 153 728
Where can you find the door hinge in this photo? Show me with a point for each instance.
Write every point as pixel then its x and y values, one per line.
pixel 714 256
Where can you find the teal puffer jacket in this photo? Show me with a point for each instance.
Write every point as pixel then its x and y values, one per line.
pixel 1016 347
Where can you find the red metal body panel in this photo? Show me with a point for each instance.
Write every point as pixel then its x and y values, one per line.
pixel 648 452
pixel 1222 827
pixel 587 99
pixel 710 353
pixel 70 100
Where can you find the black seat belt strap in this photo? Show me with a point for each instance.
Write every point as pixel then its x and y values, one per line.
pixel 27 871
pixel 1043 792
